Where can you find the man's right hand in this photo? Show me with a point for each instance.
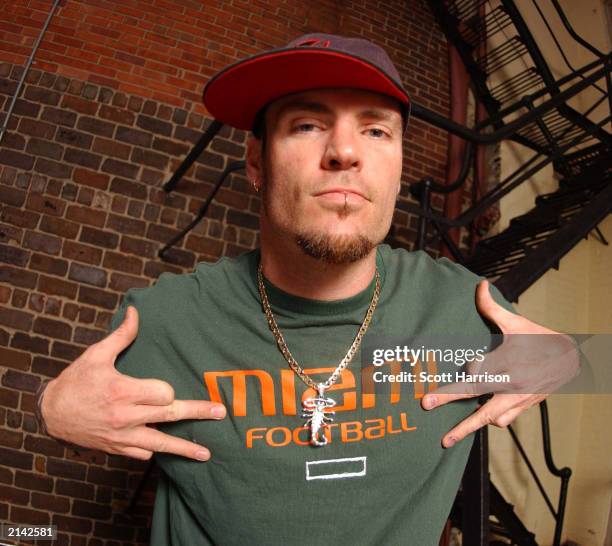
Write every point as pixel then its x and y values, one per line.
pixel 93 405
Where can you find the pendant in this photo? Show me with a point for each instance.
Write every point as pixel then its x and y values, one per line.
pixel 318 413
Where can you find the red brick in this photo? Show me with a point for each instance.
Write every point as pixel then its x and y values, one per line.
pixel 98 237
pixel 66 469
pixel 110 147
pixel 121 262
pixel 118 115
pixel 12 196
pixel 74 489
pixel 122 283
pixel 46 204
pixel 14 495
pixel 9 398
pixel 20 381
pixel 101 476
pixel 10 438
pixel 13 318
pixel 65 351
pixel 33 344
pixel 82 253
pixel 37 128
pixel 87 274
pixel 96 126
pixel 13 255
pixel 69 136
pixel 204 245
pixel 47 264
pixel 83 158
pixel 128 226
pixel 129 188
pixel 16 159
pixel 91 178
pixel 60 227
pixel 48 366
pixel 52 503
pixel 43 242
pixel 45 148
pixel 16 459
pixel 72 525
pixel 17 217
pixel 88 336
pixel 14 359
pixel 98 298
pixel 45 446
pixel 30 480
pixel 52 168
pixel 56 116
pixel 51 285
pixel 27 516
pixel 52 328
pixel 79 105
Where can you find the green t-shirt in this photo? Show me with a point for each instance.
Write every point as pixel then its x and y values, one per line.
pixel 383 478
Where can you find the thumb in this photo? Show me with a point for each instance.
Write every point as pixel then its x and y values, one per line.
pixel 125 333
pixel 491 310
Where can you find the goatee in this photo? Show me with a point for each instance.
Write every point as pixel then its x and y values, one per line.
pixel 337 249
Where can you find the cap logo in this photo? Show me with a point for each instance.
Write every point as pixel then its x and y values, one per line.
pixel 313 42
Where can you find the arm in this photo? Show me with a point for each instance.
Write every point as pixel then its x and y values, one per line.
pixel 93 405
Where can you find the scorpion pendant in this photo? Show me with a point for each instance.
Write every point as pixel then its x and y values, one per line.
pixel 318 413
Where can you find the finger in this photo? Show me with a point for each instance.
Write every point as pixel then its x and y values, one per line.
pixel 153 392
pixel 159 442
pixel 177 411
pixel 124 334
pixel 454 391
pixel 137 453
pixel 487 414
pixel 491 310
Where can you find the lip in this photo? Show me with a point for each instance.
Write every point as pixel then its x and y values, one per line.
pixel 342 191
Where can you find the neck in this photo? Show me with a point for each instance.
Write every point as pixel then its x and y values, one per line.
pixel 286 266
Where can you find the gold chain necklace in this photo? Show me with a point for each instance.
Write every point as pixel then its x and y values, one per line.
pixel 317 408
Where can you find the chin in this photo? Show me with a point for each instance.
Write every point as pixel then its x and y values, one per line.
pixel 336 249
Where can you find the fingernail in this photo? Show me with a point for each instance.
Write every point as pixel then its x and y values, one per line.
pixel 202 455
pixel 218 411
pixel 450 442
pixel 430 402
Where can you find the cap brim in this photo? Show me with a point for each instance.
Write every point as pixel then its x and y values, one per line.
pixel 235 95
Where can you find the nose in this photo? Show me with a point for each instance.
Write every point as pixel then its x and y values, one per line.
pixel 342 150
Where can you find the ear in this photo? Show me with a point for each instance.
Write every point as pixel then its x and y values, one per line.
pixel 254 162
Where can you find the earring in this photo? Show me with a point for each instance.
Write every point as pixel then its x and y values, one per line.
pixel 255 185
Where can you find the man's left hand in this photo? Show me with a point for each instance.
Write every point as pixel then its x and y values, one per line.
pixel 537 367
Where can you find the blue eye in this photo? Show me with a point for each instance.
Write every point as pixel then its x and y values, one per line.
pixel 377 133
pixel 305 127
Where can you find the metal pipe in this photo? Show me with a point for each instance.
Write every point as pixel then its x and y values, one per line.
pixel 235 166
pixel 26 69
pixel 573 33
pixel 195 152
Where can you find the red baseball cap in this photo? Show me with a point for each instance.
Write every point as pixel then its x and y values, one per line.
pixel 236 94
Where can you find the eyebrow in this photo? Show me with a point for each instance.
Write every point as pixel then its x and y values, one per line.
pixel 320 108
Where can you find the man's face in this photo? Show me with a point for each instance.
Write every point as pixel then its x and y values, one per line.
pixel 330 171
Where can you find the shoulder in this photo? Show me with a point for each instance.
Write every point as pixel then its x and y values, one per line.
pixel 174 294
pixel 418 263
pixel 440 280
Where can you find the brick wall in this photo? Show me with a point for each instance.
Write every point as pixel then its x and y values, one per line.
pixel 109 109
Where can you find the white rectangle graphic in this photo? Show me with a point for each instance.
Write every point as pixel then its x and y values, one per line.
pixel 336 469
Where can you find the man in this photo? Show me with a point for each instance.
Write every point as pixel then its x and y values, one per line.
pixel 229 357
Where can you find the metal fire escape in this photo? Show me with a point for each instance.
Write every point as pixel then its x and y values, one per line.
pixel 527 105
